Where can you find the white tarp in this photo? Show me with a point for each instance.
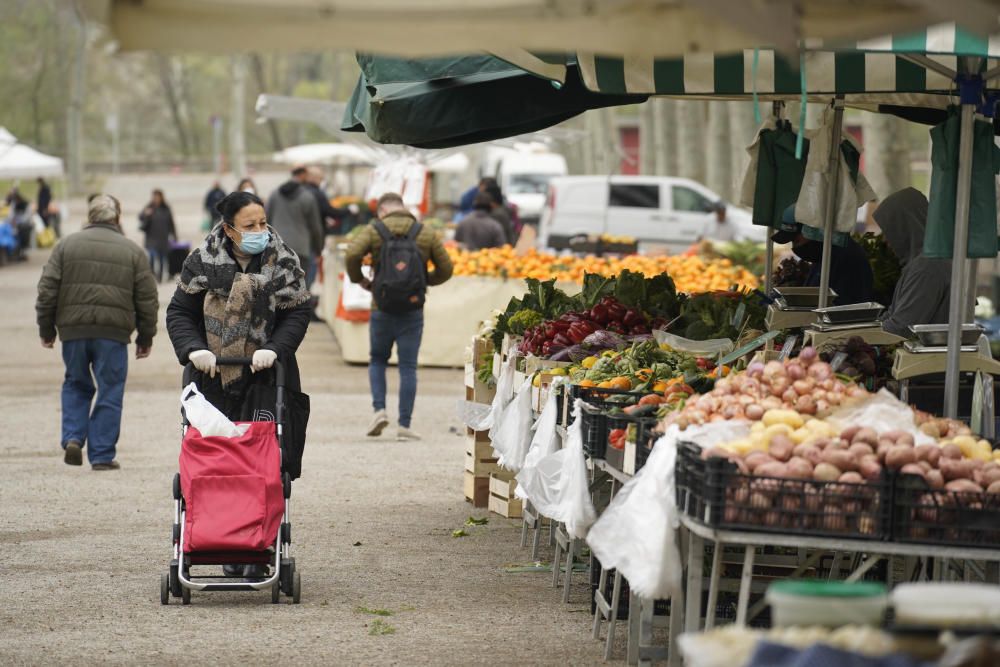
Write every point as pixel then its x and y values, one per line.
pixel 18 160
pixel 326 153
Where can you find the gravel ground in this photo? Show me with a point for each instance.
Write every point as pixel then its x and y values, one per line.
pixel 81 552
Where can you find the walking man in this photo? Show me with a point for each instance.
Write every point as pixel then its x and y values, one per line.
pixel 96 289
pixel 293 212
pixel 400 248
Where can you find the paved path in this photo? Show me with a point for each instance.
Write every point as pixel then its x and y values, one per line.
pixel 81 552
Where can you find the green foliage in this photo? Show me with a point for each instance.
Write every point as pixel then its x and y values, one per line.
pixel 380 627
pixel 523 320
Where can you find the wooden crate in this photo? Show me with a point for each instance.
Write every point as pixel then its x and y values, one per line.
pixel 506 507
pixel 477 436
pixel 477 490
pixel 479 458
pixel 502 484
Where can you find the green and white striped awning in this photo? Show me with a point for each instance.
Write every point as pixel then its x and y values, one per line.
pixel 872 71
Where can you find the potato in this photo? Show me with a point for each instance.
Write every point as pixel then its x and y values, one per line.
pixel 716 453
pixel 799 468
pixel 754 459
pixel 781 447
pixel 929 453
pixel 851 477
pixel 899 456
pixel 935 479
pixel 849 432
pixel 860 449
pixel 963 486
pixel 791 503
pixel 838 443
pixel 866 435
pixel 813 499
pixel 886 442
pixel 951 451
pixel 913 469
pixel 866 524
pixel 841 459
pixel 760 501
pixel 882 450
pixel 994 488
pixel 990 475
pixel 826 472
pixel 870 468
pixel 955 469
pixel 771 469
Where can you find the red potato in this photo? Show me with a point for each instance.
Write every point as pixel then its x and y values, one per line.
pixel 881 451
pixel 781 447
pixel 870 468
pixel 860 449
pixel 899 456
pixel 913 469
pixel 990 475
pixel 963 486
pixel 866 524
pixel 935 479
pixel 851 477
pixel 755 459
pixel 929 453
pixel 791 503
pixel 887 442
pixel 953 469
pixel 866 435
pixel 813 499
pixel 951 451
pixel 741 494
pixel 804 387
pixel 760 501
pixel 838 443
pixel 994 488
pixel 849 432
pixel 799 468
pixel 716 453
pixel 826 472
pixel 771 469
pixel 841 459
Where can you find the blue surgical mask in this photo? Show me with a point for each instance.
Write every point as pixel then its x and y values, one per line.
pixel 253 243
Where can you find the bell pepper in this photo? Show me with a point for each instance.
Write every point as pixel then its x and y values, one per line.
pixel 599 313
pixel 562 340
pixel 562 325
pixel 579 331
pixel 615 326
pixel 633 317
pixel 638 329
pixel 616 311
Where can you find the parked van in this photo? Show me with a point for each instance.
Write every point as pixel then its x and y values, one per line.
pixel 523 173
pixel 662 213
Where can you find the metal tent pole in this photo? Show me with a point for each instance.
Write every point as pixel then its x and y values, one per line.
pixel 831 199
pixel 769 263
pixel 957 301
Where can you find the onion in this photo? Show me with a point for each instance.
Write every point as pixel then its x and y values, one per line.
pixel 779 385
pixel 756 369
pixel 795 371
pixel 773 369
pixel 822 406
pixel 802 387
pixel 806 405
pixel 754 412
pixel 790 396
pixel 820 371
pixel 807 355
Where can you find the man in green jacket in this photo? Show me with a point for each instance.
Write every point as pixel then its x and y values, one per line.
pixel 96 290
pixel 404 329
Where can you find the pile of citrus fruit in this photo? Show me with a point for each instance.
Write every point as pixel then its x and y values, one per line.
pixel 691 274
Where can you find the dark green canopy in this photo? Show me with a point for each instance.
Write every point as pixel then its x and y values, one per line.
pixel 446 102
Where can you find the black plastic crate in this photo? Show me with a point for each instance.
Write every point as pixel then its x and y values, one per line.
pixel 640 430
pixel 954 518
pixel 598 396
pixel 616 457
pixel 716 493
pixel 646 437
pixel 594 427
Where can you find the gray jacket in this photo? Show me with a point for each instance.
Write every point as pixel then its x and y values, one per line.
pixel 921 295
pixel 294 214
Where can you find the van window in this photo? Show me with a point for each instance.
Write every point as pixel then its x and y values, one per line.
pixel 686 199
pixel 528 184
pixel 634 196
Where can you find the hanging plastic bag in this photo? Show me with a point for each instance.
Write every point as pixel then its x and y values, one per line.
pixel 637 533
pixel 354 296
pixel 512 438
pixel 481 417
pixel 544 442
pixel 505 392
pixel 207 418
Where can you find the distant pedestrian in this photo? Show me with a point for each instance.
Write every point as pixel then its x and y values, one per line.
pixel 499 210
pixel 212 199
pixel 20 222
pixel 246 185
pixel 293 212
pixel 157 222
pixel 94 292
pixel 44 200
pixel 398 292
pixel 478 229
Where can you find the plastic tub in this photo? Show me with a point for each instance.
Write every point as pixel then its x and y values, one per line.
pixel 947 604
pixel 826 603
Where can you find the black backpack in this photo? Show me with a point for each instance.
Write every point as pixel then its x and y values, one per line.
pixel 400 284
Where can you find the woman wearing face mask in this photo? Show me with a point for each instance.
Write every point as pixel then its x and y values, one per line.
pixel 241 294
pixel 850 273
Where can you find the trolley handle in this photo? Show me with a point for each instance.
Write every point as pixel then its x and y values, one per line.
pixel 279 368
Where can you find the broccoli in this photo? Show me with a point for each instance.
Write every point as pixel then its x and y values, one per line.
pixel 523 320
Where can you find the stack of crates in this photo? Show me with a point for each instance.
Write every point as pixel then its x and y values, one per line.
pixel 502 499
pixel 479 460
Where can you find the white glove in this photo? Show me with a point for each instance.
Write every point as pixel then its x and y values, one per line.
pixel 204 361
pixel 263 359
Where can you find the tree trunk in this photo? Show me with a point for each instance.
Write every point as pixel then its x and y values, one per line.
pixel 647 138
pixel 257 67
pixel 173 102
pixel 718 157
pixel 690 139
pixel 887 153
pixel 36 101
pixel 74 115
pixel 666 149
pixel 186 105
pixel 237 118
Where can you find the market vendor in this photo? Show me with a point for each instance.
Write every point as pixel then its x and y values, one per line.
pixel 850 273
pixel 921 295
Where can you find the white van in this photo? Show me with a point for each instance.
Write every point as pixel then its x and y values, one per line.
pixel 524 177
pixel 662 213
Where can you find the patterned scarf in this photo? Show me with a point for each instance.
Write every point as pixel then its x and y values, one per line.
pixel 240 307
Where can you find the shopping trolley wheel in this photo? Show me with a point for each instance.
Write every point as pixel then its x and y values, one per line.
pixel 164 588
pixel 185 595
pixel 177 486
pixel 296 587
pixel 275 594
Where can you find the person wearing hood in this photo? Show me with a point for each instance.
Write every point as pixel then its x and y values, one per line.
pixel 921 295
pixel 293 213
pixel 850 273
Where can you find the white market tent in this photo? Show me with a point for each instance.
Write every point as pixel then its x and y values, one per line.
pixel 18 160
pixel 334 154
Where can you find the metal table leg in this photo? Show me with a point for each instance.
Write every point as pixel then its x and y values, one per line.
pixel 869 563
pixel 634 628
pixel 713 586
pixel 556 561
pixel 696 559
pixel 677 609
pixel 745 580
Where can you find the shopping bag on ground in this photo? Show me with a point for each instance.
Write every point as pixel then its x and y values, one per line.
pixel 207 418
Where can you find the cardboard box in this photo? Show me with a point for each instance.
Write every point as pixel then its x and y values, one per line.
pixel 477 490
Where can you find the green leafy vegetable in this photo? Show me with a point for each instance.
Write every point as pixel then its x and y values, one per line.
pixel 524 320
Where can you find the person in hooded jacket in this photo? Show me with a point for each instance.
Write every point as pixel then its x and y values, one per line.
pixel 921 295
pixel 294 214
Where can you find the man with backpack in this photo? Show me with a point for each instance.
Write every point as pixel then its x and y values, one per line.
pixel 400 248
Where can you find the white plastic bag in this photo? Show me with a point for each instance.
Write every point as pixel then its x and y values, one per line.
pixel 354 296
pixel 207 418
pixel 559 488
pixel 637 533
pixel 882 412
pixel 705 348
pixel 513 436
pixel 505 392
pixel 544 442
pixel 480 417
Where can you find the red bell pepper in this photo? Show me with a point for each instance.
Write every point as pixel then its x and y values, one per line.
pixel 562 340
pixel 599 313
pixel 633 317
